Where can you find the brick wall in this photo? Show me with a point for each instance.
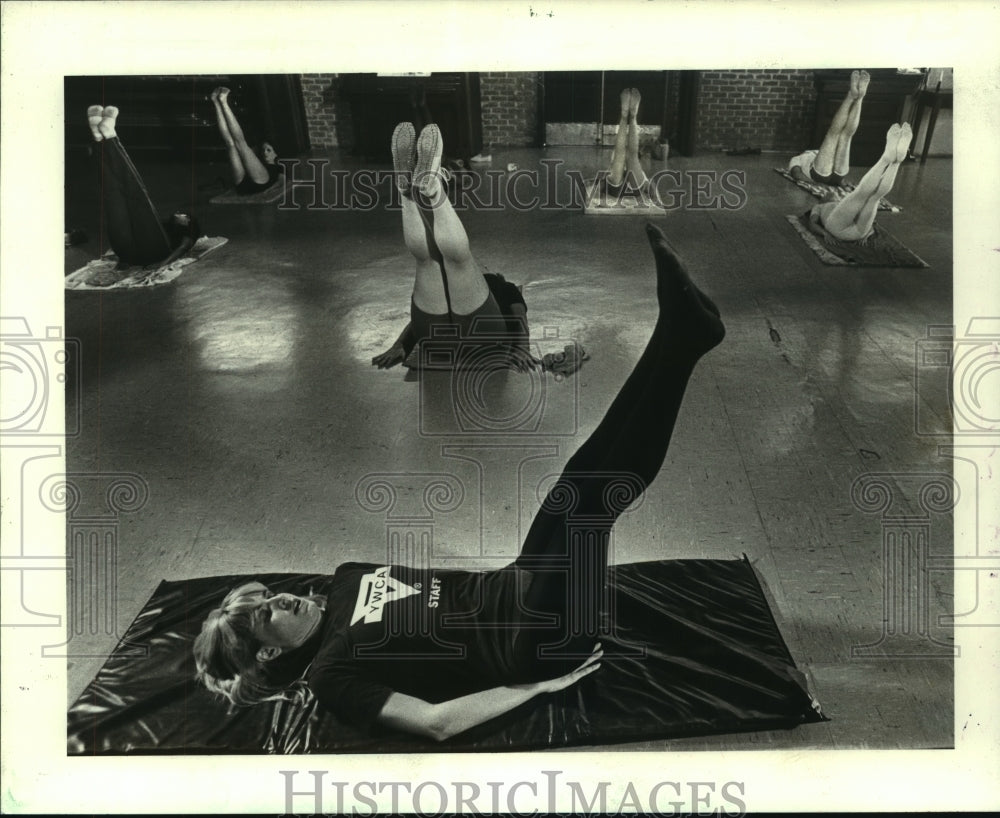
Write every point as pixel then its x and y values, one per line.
pixel 321 110
pixel 769 109
pixel 510 108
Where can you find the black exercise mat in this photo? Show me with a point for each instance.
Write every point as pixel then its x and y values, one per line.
pixel 699 654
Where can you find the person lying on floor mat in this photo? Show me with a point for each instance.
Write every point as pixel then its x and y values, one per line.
pixel 853 217
pixel 133 227
pixel 832 162
pixel 449 290
pixel 437 652
pixel 253 170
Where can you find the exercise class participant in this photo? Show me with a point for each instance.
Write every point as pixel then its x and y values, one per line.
pixel 625 173
pixel 832 162
pixel 253 171
pixel 449 290
pixel 436 652
pixel 853 217
pixel 134 229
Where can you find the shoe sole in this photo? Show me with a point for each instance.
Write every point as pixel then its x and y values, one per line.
pixel 404 153
pixel 429 149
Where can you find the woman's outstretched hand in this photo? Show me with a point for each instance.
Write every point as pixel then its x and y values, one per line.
pixel 391 357
pixel 445 719
pixel 521 358
pixel 592 663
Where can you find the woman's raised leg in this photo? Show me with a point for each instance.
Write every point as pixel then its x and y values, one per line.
pixel 824 162
pixel 133 225
pixel 235 161
pixel 851 219
pixel 566 547
pixel 619 154
pixel 842 152
pixel 252 165
pixel 428 284
pixel 636 175
pixel 467 289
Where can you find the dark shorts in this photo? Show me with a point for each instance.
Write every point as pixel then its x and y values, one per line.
pixel 451 340
pixel 248 186
pixel 831 179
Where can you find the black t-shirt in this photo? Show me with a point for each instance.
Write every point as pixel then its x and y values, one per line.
pixel 431 633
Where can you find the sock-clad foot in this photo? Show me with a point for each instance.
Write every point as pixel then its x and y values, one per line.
pixel 95 113
pixel 404 155
pixel 680 300
pixel 109 116
pixel 427 170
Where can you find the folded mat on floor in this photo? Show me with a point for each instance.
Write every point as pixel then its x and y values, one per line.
pixel 267 196
pixel 712 661
pixel 100 274
pixel 880 249
pixel 837 192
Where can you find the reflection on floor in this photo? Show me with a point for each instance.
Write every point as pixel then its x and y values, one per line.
pixel 242 395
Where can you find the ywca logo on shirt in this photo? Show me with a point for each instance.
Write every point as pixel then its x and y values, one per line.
pixel 377 589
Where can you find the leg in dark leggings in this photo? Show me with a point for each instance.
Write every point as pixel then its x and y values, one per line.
pixel 134 230
pixel 566 545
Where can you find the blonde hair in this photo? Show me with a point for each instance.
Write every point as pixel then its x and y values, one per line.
pixel 225 652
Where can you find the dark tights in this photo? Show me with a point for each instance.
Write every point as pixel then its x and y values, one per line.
pixel 566 547
pixel 133 227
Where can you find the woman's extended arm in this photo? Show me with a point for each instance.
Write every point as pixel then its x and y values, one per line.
pixel 446 719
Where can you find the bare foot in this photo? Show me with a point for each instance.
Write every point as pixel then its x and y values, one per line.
pixel 891 138
pixel 214 96
pixel 109 116
pixel 94 116
pixel 863 79
pixel 855 78
pixel 626 100
pixel 633 108
pixel 903 143
pixel 223 93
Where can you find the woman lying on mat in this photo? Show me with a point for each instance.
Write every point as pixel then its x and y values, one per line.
pixel 134 230
pixel 438 652
pixel 832 162
pixel 253 171
pixel 853 217
pixel 449 291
